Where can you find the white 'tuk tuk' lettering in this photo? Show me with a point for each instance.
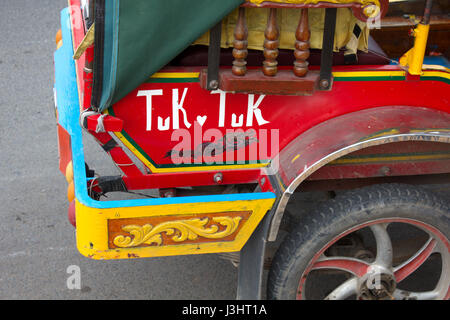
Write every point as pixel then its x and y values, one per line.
pixel 253 109
pixel 178 106
pixel 149 94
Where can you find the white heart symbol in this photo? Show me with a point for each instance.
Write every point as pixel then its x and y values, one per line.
pixel 201 120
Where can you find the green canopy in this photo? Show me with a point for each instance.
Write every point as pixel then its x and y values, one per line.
pixel 136 38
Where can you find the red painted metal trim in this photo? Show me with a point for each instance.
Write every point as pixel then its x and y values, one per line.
pixel 190 179
pixel 88 77
pixel 110 123
pixel 64 148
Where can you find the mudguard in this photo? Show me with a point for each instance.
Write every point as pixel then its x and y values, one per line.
pixel 320 145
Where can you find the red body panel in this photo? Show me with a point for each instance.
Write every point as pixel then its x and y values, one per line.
pixel 291 115
pixel 173 101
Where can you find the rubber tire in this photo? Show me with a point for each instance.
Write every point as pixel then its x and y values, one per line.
pixel 348 210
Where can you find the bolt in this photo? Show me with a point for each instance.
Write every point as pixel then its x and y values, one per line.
pixel 168 194
pixel 324 83
pixel 385 171
pixel 214 84
pixel 218 178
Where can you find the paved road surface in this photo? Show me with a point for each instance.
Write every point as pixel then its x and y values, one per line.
pixel 37 244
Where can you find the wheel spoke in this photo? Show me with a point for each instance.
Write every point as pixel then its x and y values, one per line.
pixel 408 295
pixel 344 291
pixel 384 245
pixel 354 266
pixel 413 263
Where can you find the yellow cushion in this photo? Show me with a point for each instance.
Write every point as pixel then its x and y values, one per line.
pixel 287 23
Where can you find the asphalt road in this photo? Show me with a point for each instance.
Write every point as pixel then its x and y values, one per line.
pixel 37 243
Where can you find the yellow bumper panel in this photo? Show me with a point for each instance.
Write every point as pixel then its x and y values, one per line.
pixel 167 230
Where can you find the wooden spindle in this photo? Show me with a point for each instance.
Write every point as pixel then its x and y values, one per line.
pixel 271 44
pixel 301 51
pixel 240 44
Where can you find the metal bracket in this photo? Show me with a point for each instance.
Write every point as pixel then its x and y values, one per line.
pixel 252 255
pixel 326 59
pixel 215 36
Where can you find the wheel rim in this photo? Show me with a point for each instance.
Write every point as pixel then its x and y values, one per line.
pixel 381 278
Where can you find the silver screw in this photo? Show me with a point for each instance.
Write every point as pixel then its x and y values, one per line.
pixel 218 178
pixel 214 84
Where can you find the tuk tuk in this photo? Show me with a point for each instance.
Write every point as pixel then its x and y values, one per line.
pixel 220 114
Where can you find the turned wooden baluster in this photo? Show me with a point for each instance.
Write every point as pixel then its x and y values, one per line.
pixel 240 44
pixel 271 44
pixel 301 51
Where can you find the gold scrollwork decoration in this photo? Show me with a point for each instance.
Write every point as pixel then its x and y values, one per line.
pixel 179 231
